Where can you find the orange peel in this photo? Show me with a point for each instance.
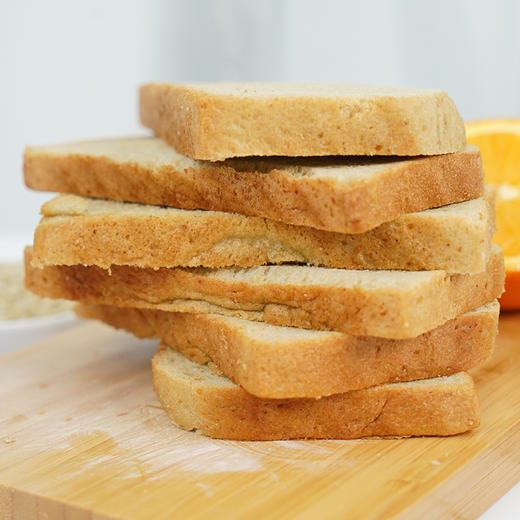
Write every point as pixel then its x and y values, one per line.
pixel 499 143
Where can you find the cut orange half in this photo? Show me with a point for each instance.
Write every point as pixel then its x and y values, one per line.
pixel 499 143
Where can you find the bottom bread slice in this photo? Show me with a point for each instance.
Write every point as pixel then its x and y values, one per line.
pixel 283 362
pixel 196 398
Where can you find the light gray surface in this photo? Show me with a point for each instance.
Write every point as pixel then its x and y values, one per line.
pixel 507 508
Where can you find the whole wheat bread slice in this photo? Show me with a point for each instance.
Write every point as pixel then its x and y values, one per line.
pixel 284 362
pixel 78 230
pixel 221 120
pixel 346 195
pixel 196 398
pixel 391 304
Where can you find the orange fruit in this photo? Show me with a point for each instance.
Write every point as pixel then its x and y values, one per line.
pixel 499 143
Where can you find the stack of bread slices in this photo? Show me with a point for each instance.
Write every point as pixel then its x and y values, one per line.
pixel 315 259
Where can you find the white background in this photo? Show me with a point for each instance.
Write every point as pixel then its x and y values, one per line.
pixel 70 69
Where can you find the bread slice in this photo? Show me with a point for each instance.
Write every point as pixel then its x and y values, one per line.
pixel 391 304
pixel 196 398
pixel 284 362
pixel 220 120
pixel 346 195
pixel 79 230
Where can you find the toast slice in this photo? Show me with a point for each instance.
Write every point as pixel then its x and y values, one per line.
pixel 345 195
pixel 284 362
pixel 78 230
pixel 196 398
pixel 390 304
pixel 214 121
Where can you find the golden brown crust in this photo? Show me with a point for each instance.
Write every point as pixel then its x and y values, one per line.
pixel 319 202
pixel 444 406
pixel 209 125
pixel 390 304
pixel 269 362
pixel 78 230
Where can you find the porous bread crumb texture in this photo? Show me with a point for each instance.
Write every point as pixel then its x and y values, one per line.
pixel 390 304
pixel 283 362
pixel 197 399
pixel 345 195
pixel 79 230
pixel 17 302
pixel 215 122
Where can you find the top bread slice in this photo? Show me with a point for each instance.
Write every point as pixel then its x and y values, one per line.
pixel 80 230
pixel 221 120
pixel 346 195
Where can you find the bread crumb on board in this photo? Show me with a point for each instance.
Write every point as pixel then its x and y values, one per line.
pixel 17 302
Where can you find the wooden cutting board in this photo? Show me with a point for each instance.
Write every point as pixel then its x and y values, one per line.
pixel 83 437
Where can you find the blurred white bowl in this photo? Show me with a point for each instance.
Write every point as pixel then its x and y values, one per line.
pixel 24 331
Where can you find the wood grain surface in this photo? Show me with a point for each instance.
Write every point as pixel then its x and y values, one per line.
pixel 82 437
